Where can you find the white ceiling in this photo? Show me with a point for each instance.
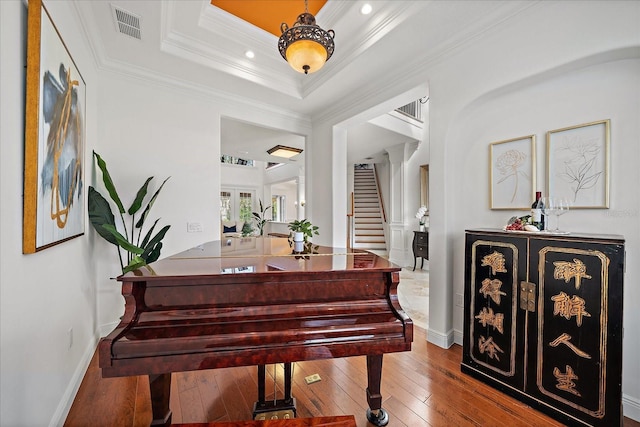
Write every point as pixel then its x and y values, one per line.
pixel 194 44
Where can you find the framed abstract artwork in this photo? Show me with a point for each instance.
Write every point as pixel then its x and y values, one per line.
pixel 54 208
pixel 512 173
pixel 578 164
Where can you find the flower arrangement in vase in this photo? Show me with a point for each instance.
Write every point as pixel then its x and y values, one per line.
pixel 422 211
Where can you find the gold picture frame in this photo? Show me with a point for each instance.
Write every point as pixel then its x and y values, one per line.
pixel 578 164
pixel 54 207
pixel 512 173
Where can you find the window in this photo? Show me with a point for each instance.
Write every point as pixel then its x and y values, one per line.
pixel 225 206
pixel 278 208
pixel 246 206
pixel 236 204
pixel 235 160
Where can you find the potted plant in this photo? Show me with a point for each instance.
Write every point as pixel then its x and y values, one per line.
pixel 140 250
pixel 302 230
pixel 247 229
pixel 260 219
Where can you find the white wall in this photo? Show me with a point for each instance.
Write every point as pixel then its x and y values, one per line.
pixel 243 176
pixel 45 294
pixel 547 44
pixel 604 91
pixel 176 135
pixel 574 71
pixel 141 129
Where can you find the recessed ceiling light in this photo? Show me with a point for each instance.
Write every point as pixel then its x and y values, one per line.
pixel 366 9
pixel 249 54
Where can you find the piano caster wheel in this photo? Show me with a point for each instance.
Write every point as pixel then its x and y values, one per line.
pixel 379 419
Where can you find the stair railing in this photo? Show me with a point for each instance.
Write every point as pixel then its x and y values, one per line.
pixel 384 214
pixel 350 223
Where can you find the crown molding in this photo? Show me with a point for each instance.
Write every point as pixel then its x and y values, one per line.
pixel 385 20
pixel 416 71
pixel 225 56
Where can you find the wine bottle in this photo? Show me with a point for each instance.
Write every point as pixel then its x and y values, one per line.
pixel 537 218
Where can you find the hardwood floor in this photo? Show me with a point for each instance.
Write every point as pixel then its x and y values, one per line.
pixel 423 387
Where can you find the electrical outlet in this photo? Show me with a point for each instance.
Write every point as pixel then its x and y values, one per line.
pixel 314 378
pixel 70 336
pixel 194 227
pixel 459 300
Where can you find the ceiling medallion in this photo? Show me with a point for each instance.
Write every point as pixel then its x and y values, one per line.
pixel 305 46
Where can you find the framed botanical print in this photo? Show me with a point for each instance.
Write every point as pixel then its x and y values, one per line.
pixel 512 173
pixel 578 164
pixel 54 208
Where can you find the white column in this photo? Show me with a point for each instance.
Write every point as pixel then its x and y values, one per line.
pixel 326 184
pixel 300 196
pixel 399 235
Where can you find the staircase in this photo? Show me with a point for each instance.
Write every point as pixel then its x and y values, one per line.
pixel 368 226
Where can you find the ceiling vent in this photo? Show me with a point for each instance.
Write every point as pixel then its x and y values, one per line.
pixel 126 22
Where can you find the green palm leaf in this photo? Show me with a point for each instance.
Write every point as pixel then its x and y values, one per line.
pixel 108 182
pixel 140 222
pixel 142 192
pixel 100 215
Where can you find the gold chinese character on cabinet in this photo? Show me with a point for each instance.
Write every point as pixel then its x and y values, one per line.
pixel 568 270
pixel 492 319
pixel 496 261
pixel 566 380
pixel 565 339
pixel 568 307
pixel 491 348
pixel 492 289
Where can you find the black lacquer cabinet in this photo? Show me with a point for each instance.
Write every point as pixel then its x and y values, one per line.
pixel 420 247
pixel 543 321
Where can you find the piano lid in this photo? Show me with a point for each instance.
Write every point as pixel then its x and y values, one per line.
pixel 259 255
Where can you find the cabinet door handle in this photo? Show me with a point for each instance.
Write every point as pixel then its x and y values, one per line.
pixel 528 296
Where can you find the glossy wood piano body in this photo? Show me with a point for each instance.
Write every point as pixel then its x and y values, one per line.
pixel 253 301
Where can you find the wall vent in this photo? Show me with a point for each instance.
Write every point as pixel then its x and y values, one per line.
pixel 126 22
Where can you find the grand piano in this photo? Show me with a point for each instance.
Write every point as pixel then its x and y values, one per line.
pixel 256 301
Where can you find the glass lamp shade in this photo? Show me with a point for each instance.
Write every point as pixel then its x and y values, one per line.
pixel 305 46
pixel 306 56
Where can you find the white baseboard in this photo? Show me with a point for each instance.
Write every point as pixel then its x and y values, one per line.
pixel 631 407
pixel 458 337
pixel 439 339
pixel 60 415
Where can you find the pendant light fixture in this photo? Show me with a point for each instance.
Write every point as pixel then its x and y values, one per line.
pixel 305 46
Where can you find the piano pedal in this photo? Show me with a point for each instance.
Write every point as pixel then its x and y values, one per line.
pixel 275 415
pixel 281 409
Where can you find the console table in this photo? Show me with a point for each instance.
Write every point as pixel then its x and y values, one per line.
pixel 420 247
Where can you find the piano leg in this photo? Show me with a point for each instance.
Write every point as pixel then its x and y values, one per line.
pixel 375 414
pixel 160 386
pixel 261 385
pixel 287 384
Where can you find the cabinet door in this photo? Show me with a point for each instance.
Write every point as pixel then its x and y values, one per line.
pixel 494 335
pixel 575 346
